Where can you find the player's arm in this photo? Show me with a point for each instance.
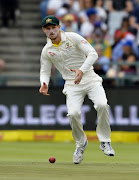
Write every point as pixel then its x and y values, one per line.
pixel 84 46
pixel 45 73
pixel 78 75
pixel 133 22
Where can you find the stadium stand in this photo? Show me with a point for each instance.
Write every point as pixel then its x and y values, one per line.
pixel 20 46
pixel 21 43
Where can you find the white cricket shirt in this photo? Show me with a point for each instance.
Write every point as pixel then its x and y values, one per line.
pixel 74 52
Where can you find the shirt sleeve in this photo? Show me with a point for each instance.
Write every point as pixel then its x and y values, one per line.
pixel 87 49
pixel 45 70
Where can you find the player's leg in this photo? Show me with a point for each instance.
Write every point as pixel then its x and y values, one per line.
pixel 98 97
pixel 74 100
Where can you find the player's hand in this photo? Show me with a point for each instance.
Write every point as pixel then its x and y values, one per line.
pixel 78 75
pixel 44 89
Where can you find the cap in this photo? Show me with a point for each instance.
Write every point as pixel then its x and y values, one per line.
pixel 128 43
pixel 91 11
pixel 50 20
pixel 69 17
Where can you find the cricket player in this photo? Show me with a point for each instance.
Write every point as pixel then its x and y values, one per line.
pixel 74 57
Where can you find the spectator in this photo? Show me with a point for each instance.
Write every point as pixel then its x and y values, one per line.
pixel 2 65
pixel 43 7
pixel 53 6
pixel 117 38
pixel 118 49
pixel 8 9
pixel 129 7
pixel 87 27
pixel 114 20
pixel 100 10
pixel 61 14
pixel 127 50
pixel 67 5
pixel 124 70
pixel 84 5
pixel 122 31
pixel 135 3
pixel 134 21
pixel 125 26
pixel 74 6
pixel 102 64
pixel 98 38
pixel 129 69
pixel 129 57
pixel 119 5
pixel 70 23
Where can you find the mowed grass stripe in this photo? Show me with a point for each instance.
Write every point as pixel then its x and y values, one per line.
pixel 29 161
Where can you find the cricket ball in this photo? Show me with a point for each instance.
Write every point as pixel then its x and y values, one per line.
pixel 52 159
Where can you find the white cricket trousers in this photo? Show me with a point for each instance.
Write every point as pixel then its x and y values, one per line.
pixel 75 95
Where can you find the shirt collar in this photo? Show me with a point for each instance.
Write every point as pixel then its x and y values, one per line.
pixel 63 38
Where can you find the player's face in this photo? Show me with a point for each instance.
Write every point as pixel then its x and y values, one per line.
pixel 52 31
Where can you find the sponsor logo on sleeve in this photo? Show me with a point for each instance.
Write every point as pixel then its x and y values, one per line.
pixel 83 41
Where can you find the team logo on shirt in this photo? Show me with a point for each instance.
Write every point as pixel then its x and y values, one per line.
pixel 68 45
pixel 52 54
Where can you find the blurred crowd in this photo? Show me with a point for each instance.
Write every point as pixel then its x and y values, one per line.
pixel 111 27
pixel 9 10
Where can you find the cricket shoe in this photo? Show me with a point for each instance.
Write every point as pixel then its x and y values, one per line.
pixel 79 152
pixel 106 147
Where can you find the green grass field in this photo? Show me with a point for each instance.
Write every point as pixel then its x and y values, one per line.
pixel 29 161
